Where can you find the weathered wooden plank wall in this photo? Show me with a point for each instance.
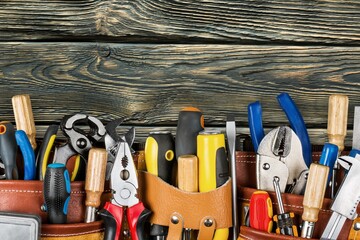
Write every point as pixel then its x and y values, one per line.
pixel 147 59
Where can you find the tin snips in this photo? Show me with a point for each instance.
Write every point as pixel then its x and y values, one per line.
pixel 284 152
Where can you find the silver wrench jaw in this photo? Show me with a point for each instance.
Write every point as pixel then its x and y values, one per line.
pixel 299 185
pixel 346 200
pixel 280 154
pixel 266 169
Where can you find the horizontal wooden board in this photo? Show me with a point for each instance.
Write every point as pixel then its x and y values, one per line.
pixel 240 21
pixel 317 136
pixel 151 83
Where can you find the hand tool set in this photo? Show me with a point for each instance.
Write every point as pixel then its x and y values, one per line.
pixel 186 172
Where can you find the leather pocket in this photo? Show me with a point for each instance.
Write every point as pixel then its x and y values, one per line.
pixel 246 184
pixel 27 197
pixel 75 231
pixel 191 208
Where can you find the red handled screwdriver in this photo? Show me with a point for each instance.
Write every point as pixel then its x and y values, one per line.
pixel 261 211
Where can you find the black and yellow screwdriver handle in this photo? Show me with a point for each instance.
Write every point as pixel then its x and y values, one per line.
pixel 159 160
pixel 213 167
pixel 190 123
pixel 160 154
pixel 45 149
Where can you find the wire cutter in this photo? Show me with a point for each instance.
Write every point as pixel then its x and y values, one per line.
pixel 124 185
pixel 79 142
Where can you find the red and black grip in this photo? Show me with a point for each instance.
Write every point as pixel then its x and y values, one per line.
pixel 113 214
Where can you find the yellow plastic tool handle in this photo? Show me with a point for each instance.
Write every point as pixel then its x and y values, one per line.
pixel 213 167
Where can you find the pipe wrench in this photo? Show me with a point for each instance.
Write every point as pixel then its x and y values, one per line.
pixel 280 155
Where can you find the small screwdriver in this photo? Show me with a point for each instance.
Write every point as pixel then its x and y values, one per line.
pixel 95 181
pixel 284 220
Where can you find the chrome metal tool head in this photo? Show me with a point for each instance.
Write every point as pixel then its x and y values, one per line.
pixel 280 155
pixel 123 180
pixel 347 199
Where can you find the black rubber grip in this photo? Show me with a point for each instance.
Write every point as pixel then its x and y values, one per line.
pixel 109 223
pixel 189 126
pixel 57 192
pixel 8 150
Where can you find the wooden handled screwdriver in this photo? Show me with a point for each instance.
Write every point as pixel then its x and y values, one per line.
pixel 188 172
pixel 316 187
pixel 94 182
pixel 336 130
pixel 24 118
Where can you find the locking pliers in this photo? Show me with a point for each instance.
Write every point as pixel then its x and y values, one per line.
pixel 280 154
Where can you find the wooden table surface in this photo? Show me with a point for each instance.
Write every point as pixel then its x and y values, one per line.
pixel 146 59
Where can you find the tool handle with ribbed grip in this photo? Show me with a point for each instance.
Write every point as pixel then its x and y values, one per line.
pixel 57 192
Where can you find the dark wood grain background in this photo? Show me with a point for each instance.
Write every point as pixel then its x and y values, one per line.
pixel 147 59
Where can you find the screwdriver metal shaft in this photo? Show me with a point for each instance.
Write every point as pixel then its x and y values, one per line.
pixel 284 219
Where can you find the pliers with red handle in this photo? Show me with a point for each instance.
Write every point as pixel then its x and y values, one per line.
pixel 124 185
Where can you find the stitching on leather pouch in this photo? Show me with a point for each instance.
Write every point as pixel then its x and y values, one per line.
pixel 32 191
pixel 288 205
pixel 243 236
pixel 72 234
pixel 20 191
pixel 252 162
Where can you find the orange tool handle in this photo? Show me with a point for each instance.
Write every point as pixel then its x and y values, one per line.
pixel 261 211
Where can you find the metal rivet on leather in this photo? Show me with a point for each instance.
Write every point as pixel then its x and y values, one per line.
pixel 357 226
pixel 208 222
pixel 174 219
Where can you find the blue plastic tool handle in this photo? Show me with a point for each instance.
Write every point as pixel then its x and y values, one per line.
pixel 255 124
pixel 27 151
pixel 354 152
pixel 297 124
pixel 328 157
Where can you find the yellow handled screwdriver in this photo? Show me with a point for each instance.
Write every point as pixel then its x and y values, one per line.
pixel 159 160
pixel 213 167
pixel 94 182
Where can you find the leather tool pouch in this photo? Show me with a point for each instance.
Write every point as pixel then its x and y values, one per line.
pixel 188 210
pixel 27 197
pixel 246 183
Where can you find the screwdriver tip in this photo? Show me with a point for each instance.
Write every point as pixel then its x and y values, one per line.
pixel 230 118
